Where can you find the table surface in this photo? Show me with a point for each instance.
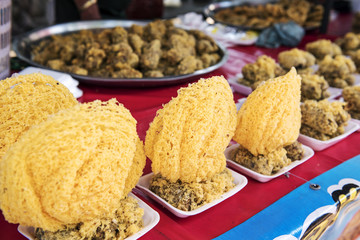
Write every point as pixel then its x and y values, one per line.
pixel 256 196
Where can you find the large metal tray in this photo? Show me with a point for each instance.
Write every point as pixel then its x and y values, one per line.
pixel 210 10
pixel 23 44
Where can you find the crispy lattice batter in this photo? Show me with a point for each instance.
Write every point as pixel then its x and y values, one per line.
pixel 323 120
pixel 351 96
pixel 74 167
pixel 337 71
pixel 303 12
pixel 270 117
pixel 126 221
pixel 27 100
pixel 189 135
pixel 155 50
pixel 189 196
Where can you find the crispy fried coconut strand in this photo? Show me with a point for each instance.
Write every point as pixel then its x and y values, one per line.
pixel 74 167
pixel 270 117
pixel 188 136
pixel 26 100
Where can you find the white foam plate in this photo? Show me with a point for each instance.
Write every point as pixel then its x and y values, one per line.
pixel 240 88
pixel 63 78
pixel 144 182
pixel 150 218
pixel 319 145
pixel 334 93
pixel 308 153
pixel 357 121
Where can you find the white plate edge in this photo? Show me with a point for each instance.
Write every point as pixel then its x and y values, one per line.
pixel 28 231
pixel 265 178
pixel 183 214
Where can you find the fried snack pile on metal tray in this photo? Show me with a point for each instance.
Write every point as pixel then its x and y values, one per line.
pixel 156 50
pixel 304 13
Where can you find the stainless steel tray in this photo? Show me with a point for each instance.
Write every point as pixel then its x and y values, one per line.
pixel 210 10
pixel 23 44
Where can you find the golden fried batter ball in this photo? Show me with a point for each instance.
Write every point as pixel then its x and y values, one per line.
pixel 26 100
pixel 74 167
pixel 189 135
pixel 321 48
pixel 270 117
pixel 296 58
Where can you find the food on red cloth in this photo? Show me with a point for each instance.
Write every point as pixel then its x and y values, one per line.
pixel 268 121
pixel 264 68
pixel 314 87
pixel 74 171
pixel 351 96
pixel 270 117
pixel 304 13
pixel 323 120
pixel 27 100
pixel 186 143
pixel 297 58
pixel 156 50
pixel 337 71
pixel 323 47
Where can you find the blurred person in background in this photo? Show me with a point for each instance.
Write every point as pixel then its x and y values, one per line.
pixel 74 10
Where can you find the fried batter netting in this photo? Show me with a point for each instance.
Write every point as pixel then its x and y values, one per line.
pixel 26 100
pixel 188 136
pixel 270 118
pixel 74 167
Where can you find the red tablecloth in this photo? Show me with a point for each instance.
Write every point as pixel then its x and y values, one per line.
pixel 143 104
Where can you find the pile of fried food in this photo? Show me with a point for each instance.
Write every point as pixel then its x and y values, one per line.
pixel 323 120
pixel 268 125
pixel 351 97
pixel 303 12
pixel 350 45
pixel 66 168
pixel 186 143
pixel 153 51
pixel 313 86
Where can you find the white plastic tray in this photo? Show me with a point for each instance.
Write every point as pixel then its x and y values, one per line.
pixel 308 153
pixel 150 218
pixel 334 92
pixel 319 145
pixel 144 182
pixel 63 78
pixel 239 87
